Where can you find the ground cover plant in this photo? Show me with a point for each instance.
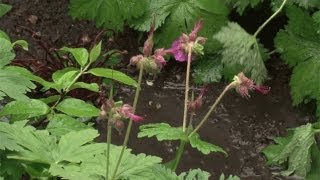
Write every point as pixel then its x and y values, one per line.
pixel 52 135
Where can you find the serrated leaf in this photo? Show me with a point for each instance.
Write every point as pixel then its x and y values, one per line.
pixel 208 70
pixel 296 151
pixel 242 50
pixel 176 17
pixel 78 108
pixel 242 5
pixel 300 47
pixel 61 124
pixel 113 74
pixel 231 177
pixel 307 4
pixel 161 131
pixel 92 86
pixel 6 54
pixel 161 172
pixel 4 9
pixel 14 85
pixel 10 169
pixel 95 52
pixel 81 55
pixel 194 174
pixel 204 147
pixel 107 13
pixel 28 109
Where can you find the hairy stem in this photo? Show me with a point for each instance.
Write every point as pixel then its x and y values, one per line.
pixel 226 89
pixel 270 18
pixel 187 88
pixel 126 138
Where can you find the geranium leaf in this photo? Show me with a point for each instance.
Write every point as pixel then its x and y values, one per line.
pixel 161 131
pixel 242 50
pixel 203 146
pixel 4 8
pixel 195 174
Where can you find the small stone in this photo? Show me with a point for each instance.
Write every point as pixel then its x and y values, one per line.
pixel 33 19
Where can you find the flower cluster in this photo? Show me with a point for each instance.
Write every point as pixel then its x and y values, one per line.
pixel 117 113
pixel 244 85
pixel 151 63
pixel 180 47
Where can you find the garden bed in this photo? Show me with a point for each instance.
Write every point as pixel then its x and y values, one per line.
pixel 243 127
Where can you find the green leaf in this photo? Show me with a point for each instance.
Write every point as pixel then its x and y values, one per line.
pixel 295 150
pixel 231 177
pixel 95 52
pixel 113 74
pixel 60 124
pixel 10 169
pixel 14 85
pixel 307 4
pixel 315 164
pixel 300 47
pixel 22 43
pixel 81 55
pixel 207 70
pixel 241 50
pixel 107 13
pixel 4 35
pixel 242 5
pixel 4 8
pixel 92 86
pixel 63 78
pixel 176 17
pixel 204 147
pixel 50 99
pixel 161 131
pixel 195 174
pixel 28 75
pixel 6 54
pixel 30 108
pixel 78 108
pixel 161 172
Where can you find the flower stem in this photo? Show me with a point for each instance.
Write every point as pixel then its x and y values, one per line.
pixel 179 154
pixel 126 138
pixel 186 94
pixel 212 108
pixel 109 133
pixel 270 18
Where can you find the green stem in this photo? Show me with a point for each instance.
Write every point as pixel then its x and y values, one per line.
pixel 126 138
pixel 212 108
pixel 179 155
pixel 186 93
pixel 65 90
pixel 109 133
pixel 108 148
pixel 270 18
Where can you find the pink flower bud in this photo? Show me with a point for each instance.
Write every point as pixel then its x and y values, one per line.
pixel 127 111
pixel 102 115
pixel 136 59
pixel 148 44
pixel 196 29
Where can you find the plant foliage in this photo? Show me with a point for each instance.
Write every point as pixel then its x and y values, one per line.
pixel 295 150
pixel 242 52
pixel 300 47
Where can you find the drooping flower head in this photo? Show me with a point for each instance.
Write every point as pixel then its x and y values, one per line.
pixel 151 63
pixel 127 111
pixel 197 103
pixel 244 85
pixel 179 47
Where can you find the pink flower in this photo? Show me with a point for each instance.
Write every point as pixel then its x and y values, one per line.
pixel 127 111
pixel 148 44
pixel 196 104
pixel 244 85
pixel 158 57
pixel 179 47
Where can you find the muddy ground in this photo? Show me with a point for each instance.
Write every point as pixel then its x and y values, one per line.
pixel 243 127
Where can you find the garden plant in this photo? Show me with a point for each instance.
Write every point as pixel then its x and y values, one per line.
pixel 49 112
